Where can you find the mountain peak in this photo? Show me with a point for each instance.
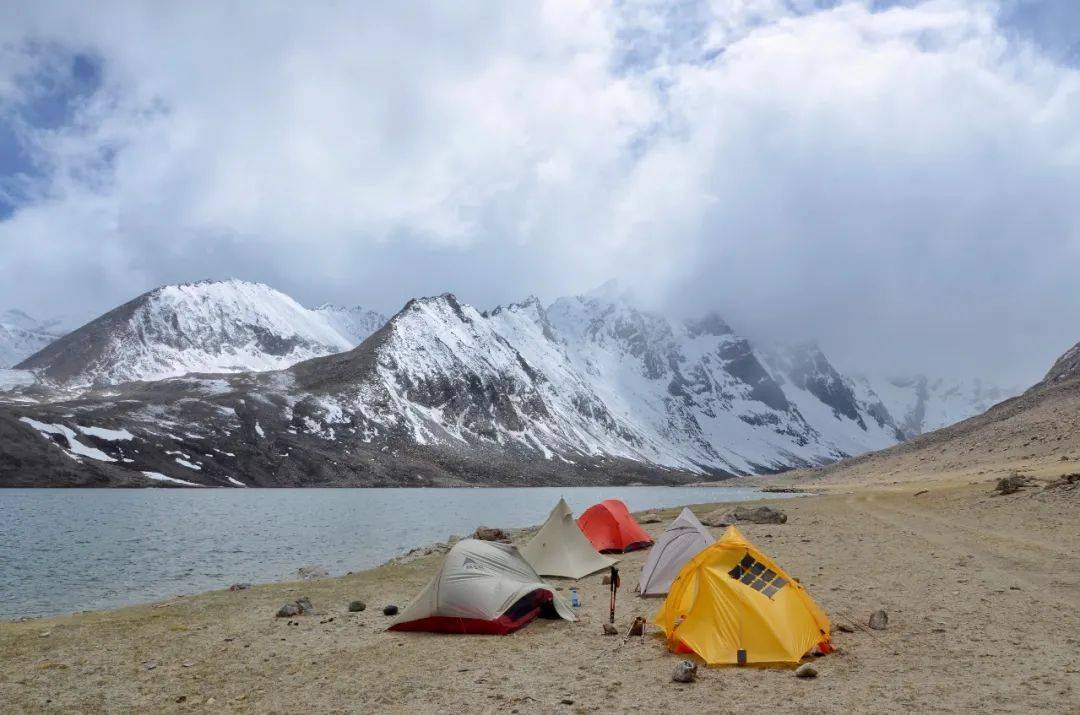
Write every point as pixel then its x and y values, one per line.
pixel 1065 367
pixel 709 324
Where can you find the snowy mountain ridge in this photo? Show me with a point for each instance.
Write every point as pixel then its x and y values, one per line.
pixel 592 377
pixel 590 389
pixel 923 404
pixel 21 335
pixel 209 326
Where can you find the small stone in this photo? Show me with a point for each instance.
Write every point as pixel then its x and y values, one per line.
pixel 356 606
pixel 1010 484
pixel 288 611
pixel 567 701
pixel 806 671
pixel 308 573
pixel 610 630
pixel 390 610
pixel 487 533
pixel 211 701
pixel 151 665
pixel 879 620
pixel 187 664
pixel 685 672
pixel 240 587
pixel 181 698
pixel 44 634
pixel 844 628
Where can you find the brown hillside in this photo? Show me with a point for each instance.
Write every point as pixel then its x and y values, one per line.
pixel 1036 434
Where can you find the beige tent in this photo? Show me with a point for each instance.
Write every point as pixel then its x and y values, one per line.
pixel 482 587
pixel 560 549
pixel 684 539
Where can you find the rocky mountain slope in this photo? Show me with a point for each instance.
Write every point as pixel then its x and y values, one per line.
pixel 589 390
pixel 1036 433
pixel 211 326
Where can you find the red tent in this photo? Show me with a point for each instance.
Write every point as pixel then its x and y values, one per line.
pixel 609 527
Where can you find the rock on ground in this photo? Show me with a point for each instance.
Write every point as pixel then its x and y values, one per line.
pixel 685 672
pixel 745 514
pixel 610 630
pixel 357 606
pixel 650 518
pixel 288 611
pixel 488 533
pixel 806 670
pixel 879 620
pixel 308 573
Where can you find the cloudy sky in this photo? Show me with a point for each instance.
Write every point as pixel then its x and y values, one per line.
pixel 899 180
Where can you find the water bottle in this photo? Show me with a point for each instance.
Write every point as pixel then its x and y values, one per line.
pixel 574 600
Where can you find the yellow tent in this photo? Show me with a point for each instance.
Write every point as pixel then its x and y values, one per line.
pixel 731 604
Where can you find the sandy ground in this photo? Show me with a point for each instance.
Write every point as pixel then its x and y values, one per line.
pixel 982 594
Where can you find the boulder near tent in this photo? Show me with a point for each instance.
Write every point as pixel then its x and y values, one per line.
pixel 683 539
pixel 609 527
pixel 731 604
pixel 481 587
pixel 560 549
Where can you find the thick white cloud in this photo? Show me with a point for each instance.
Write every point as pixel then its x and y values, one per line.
pixel 899 183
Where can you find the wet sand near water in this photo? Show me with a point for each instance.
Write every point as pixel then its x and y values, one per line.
pixel 982 594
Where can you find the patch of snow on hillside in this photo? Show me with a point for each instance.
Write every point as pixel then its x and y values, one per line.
pixel 74 445
pixel 158 477
pixel 109 435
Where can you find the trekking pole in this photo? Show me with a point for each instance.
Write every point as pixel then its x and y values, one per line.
pixel 614 588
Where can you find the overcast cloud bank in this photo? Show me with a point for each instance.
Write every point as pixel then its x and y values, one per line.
pixel 897 180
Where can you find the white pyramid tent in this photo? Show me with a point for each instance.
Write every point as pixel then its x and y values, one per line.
pixel 683 539
pixel 560 549
pixel 482 587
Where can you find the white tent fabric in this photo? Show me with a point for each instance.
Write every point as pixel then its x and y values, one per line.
pixel 683 539
pixel 479 580
pixel 560 549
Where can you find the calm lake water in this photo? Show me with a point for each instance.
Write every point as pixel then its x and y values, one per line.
pixel 64 550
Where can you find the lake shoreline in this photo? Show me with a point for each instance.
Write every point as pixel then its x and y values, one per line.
pixel 122 548
pixel 906 548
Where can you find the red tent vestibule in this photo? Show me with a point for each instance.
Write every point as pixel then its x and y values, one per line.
pixel 609 527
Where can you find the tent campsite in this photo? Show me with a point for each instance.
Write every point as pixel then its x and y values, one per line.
pixel 683 539
pixel 482 587
pixel 609 527
pixel 560 549
pixel 731 604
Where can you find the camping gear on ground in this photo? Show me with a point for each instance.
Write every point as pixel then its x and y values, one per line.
pixel 482 587
pixel 609 527
pixel 683 539
pixel 614 581
pixel 574 600
pixel 731 604
pixel 637 628
pixel 560 549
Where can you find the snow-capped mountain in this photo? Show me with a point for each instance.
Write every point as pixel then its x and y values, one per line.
pixel 588 390
pixel 210 326
pixel 21 335
pixel 354 323
pixel 920 404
